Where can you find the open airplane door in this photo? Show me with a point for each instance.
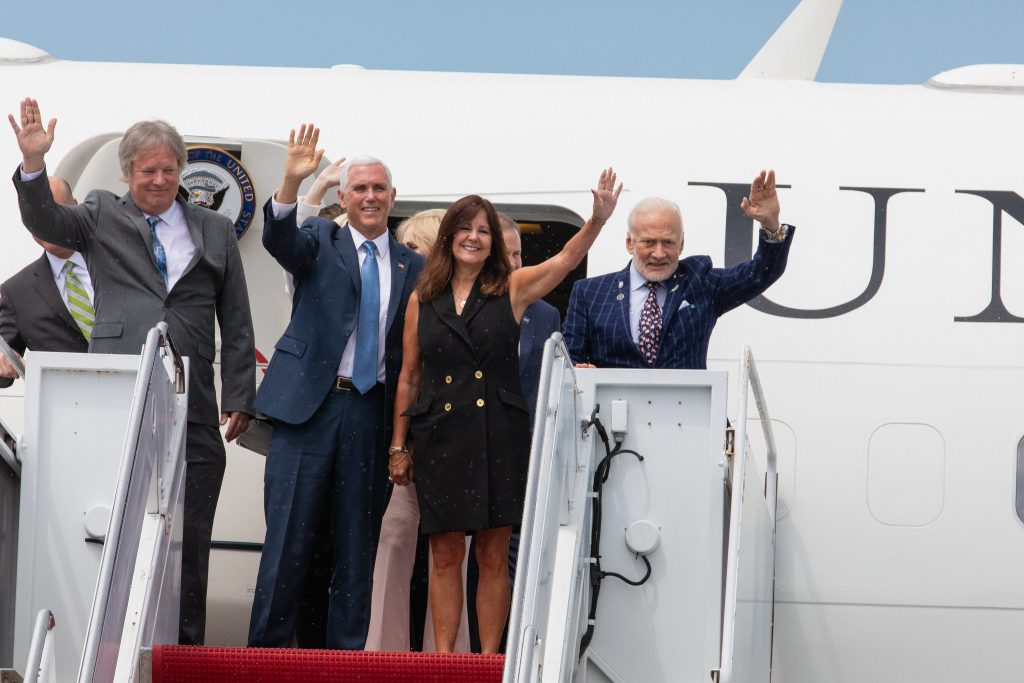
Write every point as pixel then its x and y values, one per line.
pixel 749 609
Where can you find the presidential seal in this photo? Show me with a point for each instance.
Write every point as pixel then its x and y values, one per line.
pixel 216 180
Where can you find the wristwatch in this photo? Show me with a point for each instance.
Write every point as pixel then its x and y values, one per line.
pixel 776 236
pixel 397 449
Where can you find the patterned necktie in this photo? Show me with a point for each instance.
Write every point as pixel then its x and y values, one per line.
pixel 364 369
pixel 78 301
pixel 650 325
pixel 158 249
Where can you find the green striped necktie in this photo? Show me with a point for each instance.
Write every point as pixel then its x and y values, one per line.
pixel 78 301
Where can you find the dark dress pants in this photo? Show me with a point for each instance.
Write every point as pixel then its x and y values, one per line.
pixel 333 460
pixel 204 472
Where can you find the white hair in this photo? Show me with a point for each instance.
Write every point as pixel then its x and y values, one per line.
pixel 651 205
pixel 363 160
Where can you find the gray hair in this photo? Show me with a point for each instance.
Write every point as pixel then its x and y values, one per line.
pixel 363 160
pixel 509 224
pixel 146 135
pixel 654 204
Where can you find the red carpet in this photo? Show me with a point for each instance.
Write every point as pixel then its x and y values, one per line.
pixel 182 664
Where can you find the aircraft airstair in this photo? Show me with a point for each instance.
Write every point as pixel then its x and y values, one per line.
pixel 647 549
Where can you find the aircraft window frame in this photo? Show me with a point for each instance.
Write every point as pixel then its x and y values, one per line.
pixel 553 226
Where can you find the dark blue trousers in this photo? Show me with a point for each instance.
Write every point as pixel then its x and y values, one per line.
pixel 335 460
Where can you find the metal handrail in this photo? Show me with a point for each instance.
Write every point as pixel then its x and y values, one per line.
pixel 749 379
pixel 13 357
pixel 10 457
pixel 158 337
pixel 518 606
pixel 44 625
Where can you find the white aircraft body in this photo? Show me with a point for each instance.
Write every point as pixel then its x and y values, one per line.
pixel 890 349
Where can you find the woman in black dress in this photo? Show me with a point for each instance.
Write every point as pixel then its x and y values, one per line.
pixel 459 403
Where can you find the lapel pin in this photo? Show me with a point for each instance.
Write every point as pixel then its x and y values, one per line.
pixel 620 284
pixel 619 297
pixel 401 265
pixel 674 288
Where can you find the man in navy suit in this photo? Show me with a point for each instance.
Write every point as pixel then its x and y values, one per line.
pixel 659 311
pixel 540 320
pixel 330 390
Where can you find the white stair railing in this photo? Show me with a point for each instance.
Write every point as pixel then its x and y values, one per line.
pixel 41 666
pixel 747 621
pixel 136 597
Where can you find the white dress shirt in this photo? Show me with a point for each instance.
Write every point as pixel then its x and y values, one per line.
pixel 638 296
pixel 383 243
pixel 81 272
pixel 172 231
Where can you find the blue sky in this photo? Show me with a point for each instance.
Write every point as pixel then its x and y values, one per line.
pixel 875 41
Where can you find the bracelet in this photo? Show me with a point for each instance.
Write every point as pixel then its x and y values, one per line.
pixel 394 463
pixel 398 449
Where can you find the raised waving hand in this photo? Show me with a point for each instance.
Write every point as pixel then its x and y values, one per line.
pixel 762 205
pixel 33 140
pixel 606 196
pixel 301 159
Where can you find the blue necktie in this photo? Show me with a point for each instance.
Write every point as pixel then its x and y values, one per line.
pixel 364 369
pixel 158 249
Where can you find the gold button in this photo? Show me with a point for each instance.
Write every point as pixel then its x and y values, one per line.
pixel 447 407
pixel 448 379
pixel 480 402
pixel 478 374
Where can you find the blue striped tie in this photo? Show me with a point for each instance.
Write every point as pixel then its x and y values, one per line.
pixel 158 249
pixel 364 369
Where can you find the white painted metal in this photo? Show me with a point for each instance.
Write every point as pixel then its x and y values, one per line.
pixel 669 628
pixel 797 47
pixel 547 590
pixel 41 665
pixel 750 565
pixel 77 409
pixel 137 593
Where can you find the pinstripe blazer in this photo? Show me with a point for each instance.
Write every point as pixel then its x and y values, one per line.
pixel 597 329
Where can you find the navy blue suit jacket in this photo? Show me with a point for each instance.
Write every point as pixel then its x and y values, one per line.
pixel 540 320
pixel 597 326
pixel 321 256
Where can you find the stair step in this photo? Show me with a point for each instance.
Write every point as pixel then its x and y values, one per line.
pixel 191 664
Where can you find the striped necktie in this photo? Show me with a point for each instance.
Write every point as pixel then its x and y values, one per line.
pixel 78 301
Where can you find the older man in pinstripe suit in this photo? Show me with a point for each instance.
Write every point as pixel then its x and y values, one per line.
pixel 659 311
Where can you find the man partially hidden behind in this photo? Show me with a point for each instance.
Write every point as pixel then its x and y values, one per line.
pixel 154 259
pixel 659 311
pixel 47 305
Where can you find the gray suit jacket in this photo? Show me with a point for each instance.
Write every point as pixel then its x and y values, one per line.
pixel 131 296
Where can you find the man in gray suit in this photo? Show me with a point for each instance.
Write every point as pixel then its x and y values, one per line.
pixel 154 259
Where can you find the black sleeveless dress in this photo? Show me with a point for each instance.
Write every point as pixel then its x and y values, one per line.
pixel 469 427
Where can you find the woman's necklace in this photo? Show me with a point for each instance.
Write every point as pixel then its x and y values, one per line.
pixel 460 300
